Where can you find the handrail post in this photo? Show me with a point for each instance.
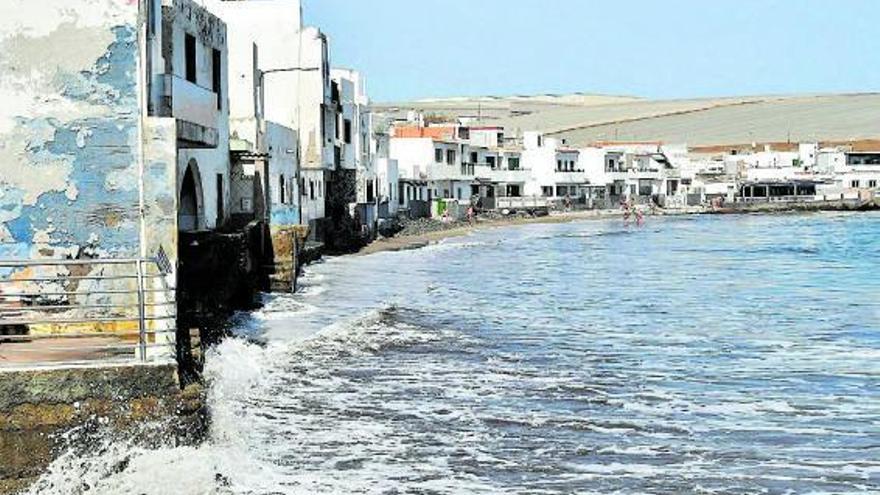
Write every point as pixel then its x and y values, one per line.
pixel 142 324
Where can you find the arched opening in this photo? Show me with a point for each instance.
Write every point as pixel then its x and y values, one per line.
pixel 190 211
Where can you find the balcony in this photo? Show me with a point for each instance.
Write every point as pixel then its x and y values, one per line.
pixel 570 177
pixel 511 176
pixel 450 172
pixel 195 109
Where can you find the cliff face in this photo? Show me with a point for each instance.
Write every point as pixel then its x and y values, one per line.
pixel 38 410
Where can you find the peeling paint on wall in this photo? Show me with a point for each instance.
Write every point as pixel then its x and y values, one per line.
pixel 68 167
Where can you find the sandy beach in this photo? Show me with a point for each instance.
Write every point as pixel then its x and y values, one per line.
pixel 405 242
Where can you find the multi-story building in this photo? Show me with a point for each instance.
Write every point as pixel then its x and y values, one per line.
pixel 187 64
pixel 357 167
pixel 265 152
pixel 297 94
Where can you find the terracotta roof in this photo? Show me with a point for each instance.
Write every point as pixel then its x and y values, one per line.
pixel 423 132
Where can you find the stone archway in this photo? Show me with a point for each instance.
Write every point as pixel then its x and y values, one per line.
pixel 191 212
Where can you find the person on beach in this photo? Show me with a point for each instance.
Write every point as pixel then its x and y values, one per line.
pixel 470 214
pixel 640 217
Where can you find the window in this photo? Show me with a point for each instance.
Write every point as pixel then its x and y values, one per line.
pixel 190 54
pixel 854 183
pixel 400 193
pixel 324 122
pixel 458 193
pixel 558 165
pixel 540 141
pixel 311 189
pixel 282 193
pixel 546 191
pixel 872 183
pixel 347 131
pixel 370 193
pixel 438 155
pixel 513 163
pixel 217 76
pixel 220 198
pixel 450 157
pixel 151 19
pixel 490 160
pixel 474 157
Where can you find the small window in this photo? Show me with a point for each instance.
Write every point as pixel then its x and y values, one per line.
pixel 324 122
pixel 217 75
pixel 282 192
pixel 190 54
pixel 450 157
pixel 872 183
pixel 854 183
pixel 220 198
pixel 438 155
pixel 312 190
pixel 347 131
pixel 558 165
pixel 513 163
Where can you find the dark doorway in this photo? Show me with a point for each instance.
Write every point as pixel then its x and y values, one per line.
pixel 188 216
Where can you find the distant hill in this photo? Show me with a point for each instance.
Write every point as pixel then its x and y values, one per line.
pixel 583 119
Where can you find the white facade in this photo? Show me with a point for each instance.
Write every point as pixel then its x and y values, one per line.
pixel 250 130
pixel 190 83
pixel 294 79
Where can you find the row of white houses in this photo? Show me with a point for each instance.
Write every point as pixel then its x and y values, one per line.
pixel 492 168
pixel 278 133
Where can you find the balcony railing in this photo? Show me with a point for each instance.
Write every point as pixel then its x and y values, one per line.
pixel 190 102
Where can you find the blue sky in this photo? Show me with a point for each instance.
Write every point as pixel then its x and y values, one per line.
pixel 653 48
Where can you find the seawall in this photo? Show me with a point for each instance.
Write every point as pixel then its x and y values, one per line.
pixel 39 408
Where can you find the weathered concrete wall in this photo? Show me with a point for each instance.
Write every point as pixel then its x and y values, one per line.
pixel 68 128
pixel 140 403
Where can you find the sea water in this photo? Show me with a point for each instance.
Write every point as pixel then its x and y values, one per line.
pixel 704 354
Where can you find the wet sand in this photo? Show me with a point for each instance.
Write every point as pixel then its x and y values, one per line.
pixel 406 242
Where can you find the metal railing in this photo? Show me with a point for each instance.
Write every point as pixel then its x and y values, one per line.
pixel 511 202
pixel 85 311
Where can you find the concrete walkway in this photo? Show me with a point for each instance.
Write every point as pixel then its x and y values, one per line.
pixel 42 352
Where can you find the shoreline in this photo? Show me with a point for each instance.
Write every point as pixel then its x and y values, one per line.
pixel 408 242
pixel 417 241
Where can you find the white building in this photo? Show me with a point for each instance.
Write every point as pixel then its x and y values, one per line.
pixel 356 127
pixel 265 165
pixel 188 63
